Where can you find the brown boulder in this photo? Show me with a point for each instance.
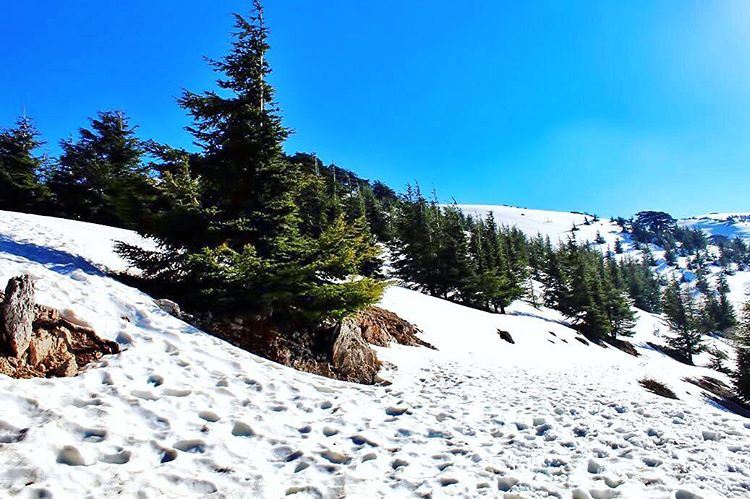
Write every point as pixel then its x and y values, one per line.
pixel 381 327
pixel 41 347
pixel 56 346
pixel 18 315
pixel 351 357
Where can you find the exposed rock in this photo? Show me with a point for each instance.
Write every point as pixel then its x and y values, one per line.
pixel 623 345
pixel 18 315
pixel 721 394
pixel 41 347
pixel 169 307
pixel 324 351
pixel 657 388
pixel 381 327
pixel 56 346
pixel 505 336
pixel 68 368
pixel 352 358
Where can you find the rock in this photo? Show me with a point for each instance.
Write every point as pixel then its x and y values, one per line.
pixel 381 327
pixel 46 315
pixel 505 335
pixel 18 315
pixel 686 494
pixel 353 359
pixel 55 345
pixel 68 368
pixel 169 306
pixel 41 345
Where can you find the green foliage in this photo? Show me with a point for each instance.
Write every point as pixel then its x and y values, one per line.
pixel 742 342
pixel 21 186
pixel 684 319
pixel 100 177
pixel 243 226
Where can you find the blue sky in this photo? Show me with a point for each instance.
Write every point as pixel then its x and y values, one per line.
pixel 610 107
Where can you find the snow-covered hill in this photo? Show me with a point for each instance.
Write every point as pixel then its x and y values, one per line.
pixel 728 225
pixel 557 225
pixel 182 414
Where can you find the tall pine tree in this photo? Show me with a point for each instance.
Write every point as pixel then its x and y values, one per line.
pixel 250 250
pixel 742 343
pixel 684 321
pixel 21 188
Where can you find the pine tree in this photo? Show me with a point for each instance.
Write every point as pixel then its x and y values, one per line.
pixel 250 251
pixel 725 315
pixel 684 321
pixel 21 170
pixel 452 251
pixel 554 282
pixel 415 247
pixel 100 177
pixel 669 256
pixel 742 343
pixel 618 246
pixel 618 304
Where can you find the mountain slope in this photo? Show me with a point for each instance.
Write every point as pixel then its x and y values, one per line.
pixel 728 225
pixel 180 413
pixel 557 225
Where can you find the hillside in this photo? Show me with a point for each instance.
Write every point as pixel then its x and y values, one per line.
pixel 727 225
pixel 182 412
pixel 557 225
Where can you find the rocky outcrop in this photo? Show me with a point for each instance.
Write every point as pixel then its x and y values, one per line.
pixel 18 315
pixel 341 351
pixel 169 307
pixel 38 341
pixel 381 327
pixel 352 359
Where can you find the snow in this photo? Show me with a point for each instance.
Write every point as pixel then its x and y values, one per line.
pixel 182 414
pixel 556 225
pixel 729 225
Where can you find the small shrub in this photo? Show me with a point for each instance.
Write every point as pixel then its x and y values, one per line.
pixel 657 388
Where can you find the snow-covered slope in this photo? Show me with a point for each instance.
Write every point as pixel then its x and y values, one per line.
pixel 729 225
pixel 557 225
pixel 182 414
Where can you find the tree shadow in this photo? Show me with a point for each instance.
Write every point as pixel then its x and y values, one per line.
pixel 541 317
pixel 58 261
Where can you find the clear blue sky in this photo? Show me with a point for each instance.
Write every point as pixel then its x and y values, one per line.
pixel 610 107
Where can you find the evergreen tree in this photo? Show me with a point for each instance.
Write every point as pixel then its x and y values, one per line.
pixel 725 315
pixel 250 250
pixel 21 188
pixel 452 251
pixel 684 321
pixel 618 246
pixel 100 177
pixel 554 282
pixel 742 342
pixel 669 256
pixel 415 248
